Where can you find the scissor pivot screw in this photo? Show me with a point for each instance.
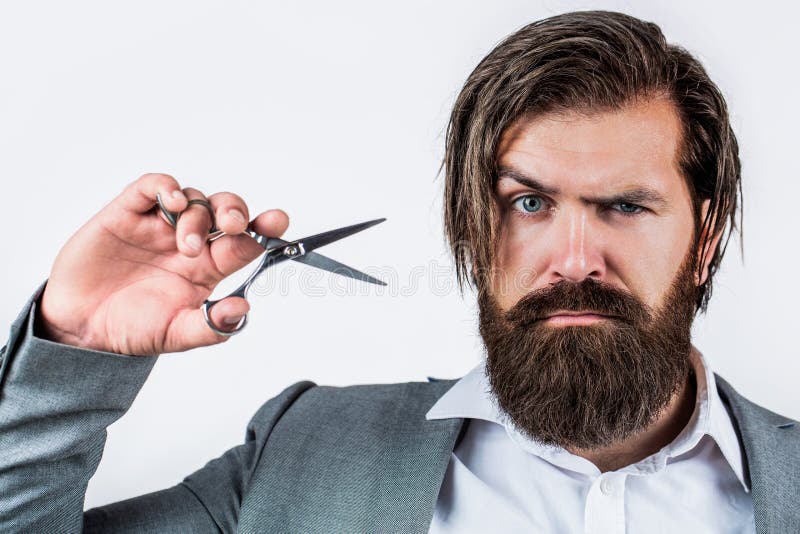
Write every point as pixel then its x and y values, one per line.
pixel 291 250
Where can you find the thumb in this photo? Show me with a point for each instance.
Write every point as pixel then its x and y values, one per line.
pixel 189 329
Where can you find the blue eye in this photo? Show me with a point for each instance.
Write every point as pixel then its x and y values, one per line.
pixel 528 204
pixel 626 208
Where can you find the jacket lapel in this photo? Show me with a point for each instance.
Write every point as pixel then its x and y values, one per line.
pixel 447 433
pixel 772 456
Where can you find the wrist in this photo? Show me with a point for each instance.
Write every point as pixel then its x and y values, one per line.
pixel 46 327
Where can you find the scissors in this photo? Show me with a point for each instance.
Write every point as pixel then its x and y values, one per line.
pixel 276 251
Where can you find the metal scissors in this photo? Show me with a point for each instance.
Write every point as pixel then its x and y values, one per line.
pixel 276 251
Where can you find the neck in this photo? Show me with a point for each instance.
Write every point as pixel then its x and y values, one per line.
pixel 672 420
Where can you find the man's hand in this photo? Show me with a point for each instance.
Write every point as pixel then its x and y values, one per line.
pixel 127 282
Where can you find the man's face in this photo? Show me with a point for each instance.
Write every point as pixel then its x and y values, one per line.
pixel 595 217
pixel 579 229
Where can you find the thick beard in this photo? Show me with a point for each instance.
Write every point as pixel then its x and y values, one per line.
pixel 586 387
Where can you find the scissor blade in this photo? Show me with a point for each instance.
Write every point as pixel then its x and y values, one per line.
pixel 315 259
pixel 319 261
pixel 320 240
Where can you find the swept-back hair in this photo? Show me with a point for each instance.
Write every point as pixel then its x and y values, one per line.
pixel 585 61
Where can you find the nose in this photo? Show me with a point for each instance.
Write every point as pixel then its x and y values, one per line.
pixel 577 251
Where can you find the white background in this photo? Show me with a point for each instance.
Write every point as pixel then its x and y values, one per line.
pixel 335 112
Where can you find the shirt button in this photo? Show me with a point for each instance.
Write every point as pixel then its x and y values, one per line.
pixel 607 487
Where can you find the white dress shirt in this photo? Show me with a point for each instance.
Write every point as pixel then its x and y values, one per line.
pixel 500 481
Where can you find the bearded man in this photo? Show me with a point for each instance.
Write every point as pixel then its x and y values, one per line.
pixel 591 175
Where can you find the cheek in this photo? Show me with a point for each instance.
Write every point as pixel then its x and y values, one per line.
pixel 521 246
pixel 521 259
pixel 646 261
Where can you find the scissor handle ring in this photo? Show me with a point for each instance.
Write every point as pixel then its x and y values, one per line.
pixel 227 333
pixel 172 216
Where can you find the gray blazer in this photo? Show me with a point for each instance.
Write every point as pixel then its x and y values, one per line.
pixel 314 458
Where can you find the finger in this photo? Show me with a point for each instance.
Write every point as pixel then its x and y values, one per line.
pixel 227 313
pixel 232 252
pixel 230 211
pixel 193 225
pixel 140 195
pixel 189 329
pixel 271 223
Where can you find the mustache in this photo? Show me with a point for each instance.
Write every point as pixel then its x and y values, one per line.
pixel 589 295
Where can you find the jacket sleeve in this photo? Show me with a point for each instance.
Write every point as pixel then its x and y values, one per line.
pixel 55 404
pixel 207 500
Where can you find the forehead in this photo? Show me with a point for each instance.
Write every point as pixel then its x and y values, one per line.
pixel 636 144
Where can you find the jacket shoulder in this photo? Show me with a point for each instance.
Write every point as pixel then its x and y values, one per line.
pixel 367 410
pixel 366 403
pixel 745 409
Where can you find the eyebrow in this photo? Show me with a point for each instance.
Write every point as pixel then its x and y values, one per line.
pixel 527 181
pixel 635 195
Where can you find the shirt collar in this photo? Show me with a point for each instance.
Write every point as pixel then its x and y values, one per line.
pixel 471 398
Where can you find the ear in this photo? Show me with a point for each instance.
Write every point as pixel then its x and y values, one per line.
pixel 709 253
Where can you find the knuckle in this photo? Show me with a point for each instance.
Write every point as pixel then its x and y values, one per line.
pixel 156 177
pixel 132 186
pixel 192 193
pixel 227 198
pixel 236 198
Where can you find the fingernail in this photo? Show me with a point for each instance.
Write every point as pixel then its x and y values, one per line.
pixel 177 194
pixel 232 320
pixel 236 214
pixel 194 242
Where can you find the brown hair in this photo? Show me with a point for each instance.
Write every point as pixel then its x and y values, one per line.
pixel 584 61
